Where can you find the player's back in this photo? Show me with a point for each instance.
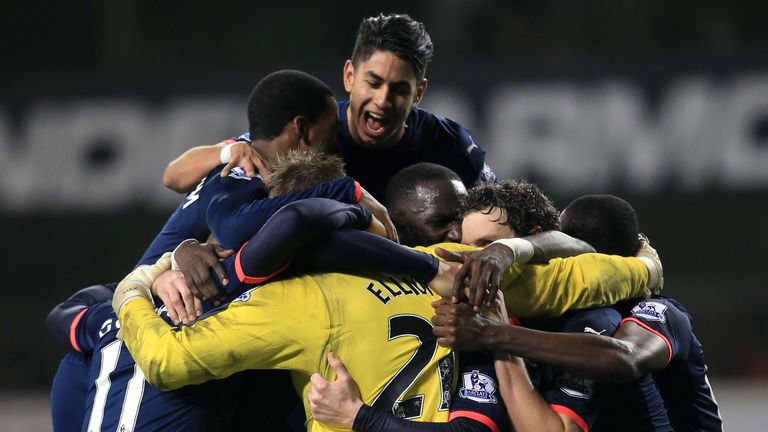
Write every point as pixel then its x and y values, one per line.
pixel 119 399
pixel 380 328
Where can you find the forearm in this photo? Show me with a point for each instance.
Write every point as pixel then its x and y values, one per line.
pixel 185 172
pixel 527 410
pixel 601 358
pixel 293 228
pixel 370 420
pixel 360 252
pixel 555 244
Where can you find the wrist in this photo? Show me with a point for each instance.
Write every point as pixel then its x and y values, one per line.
pixel 225 155
pixel 174 264
pixel 521 249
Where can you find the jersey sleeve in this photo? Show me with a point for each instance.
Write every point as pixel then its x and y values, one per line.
pixel 662 318
pixel 234 218
pixel 263 329
pixel 293 227
pixel 63 319
pixel 90 326
pixel 477 397
pixel 580 282
pixel 584 281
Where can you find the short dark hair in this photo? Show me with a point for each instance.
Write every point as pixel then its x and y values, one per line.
pixel 606 222
pixel 280 97
pixel 302 169
pixel 405 181
pixel 525 205
pixel 397 33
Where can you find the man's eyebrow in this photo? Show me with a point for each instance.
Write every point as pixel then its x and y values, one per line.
pixel 375 76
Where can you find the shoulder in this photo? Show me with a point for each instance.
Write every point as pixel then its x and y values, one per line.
pixel 600 321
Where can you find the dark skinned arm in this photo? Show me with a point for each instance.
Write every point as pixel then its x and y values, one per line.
pixel 631 353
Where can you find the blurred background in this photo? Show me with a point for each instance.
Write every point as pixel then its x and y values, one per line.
pixel 663 103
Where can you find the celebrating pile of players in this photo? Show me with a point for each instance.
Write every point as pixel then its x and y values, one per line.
pixel 356 265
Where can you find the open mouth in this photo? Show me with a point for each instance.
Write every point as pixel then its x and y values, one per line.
pixel 374 123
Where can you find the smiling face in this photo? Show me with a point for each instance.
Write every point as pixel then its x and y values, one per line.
pixel 382 90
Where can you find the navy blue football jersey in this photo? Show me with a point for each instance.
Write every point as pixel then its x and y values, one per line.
pixel 189 218
pixel 683 383
pixel 595 405
pixel 120 399
pixel 477 397
pixel 428 138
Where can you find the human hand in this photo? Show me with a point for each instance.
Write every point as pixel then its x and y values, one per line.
pixel 481 272
pixel 379 212
pixel 650 257
pixel 442 283
pixel 194 260
pixel 334 403
pixel 458 326
pixel 242 154
pixel 377 227
pixel 172 289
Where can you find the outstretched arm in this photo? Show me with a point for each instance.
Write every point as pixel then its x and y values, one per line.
pixel 184 173
pixel 631 353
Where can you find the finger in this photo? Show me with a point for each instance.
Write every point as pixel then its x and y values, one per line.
pixel 227 168
pixel 198 307
pixel 449 255
pixel 391 230
pixel 475 284
pixel 189 305
pixel 458 283
pixel 178 307
pixel 249 167
pixel 221 252
pixel 318 381
pixel 338 366
pixel 171 311
pixel 484 283
pixel 493 286
pixel 437 303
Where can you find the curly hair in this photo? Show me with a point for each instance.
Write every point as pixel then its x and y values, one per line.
pixel 302 169
pixel 525 205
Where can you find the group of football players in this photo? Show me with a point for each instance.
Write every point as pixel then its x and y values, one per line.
pixel 463 302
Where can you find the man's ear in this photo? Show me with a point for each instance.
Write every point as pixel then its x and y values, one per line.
pixel 301 129
pixel 349 75
pixel 420 89
pixel 536 229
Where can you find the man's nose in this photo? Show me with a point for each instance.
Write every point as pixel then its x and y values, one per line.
pixel 454 233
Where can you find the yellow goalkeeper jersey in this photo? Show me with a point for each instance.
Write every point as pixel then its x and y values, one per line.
pixel 379 327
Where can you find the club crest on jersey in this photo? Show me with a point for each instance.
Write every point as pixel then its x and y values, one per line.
pixel 478 387
pixel 244 297
pixel 239 173
pixel 651 311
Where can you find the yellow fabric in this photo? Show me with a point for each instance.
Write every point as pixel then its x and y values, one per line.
pixel 292 324
pixel 584 281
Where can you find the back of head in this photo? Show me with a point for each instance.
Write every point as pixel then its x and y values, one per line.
pixel 280 97
pixel 397 33
pixel 297 170
pixel 524 204
pixel 607 222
